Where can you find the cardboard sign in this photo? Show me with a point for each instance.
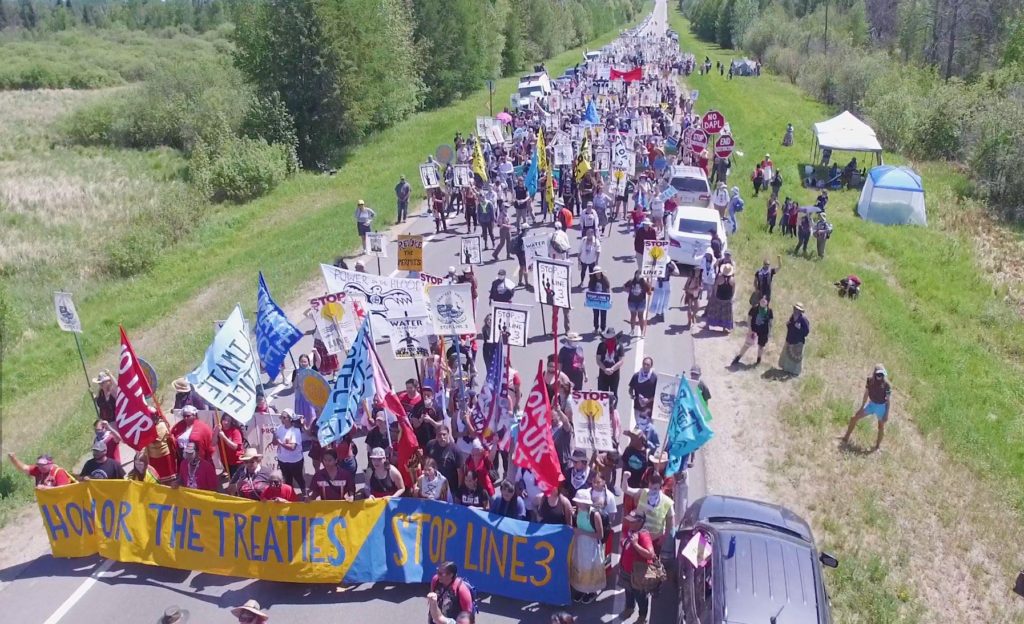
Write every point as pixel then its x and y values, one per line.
pixel 337 318
pixel 409 336
pixel 471 250
pixel 410 252
pixel 552 282
pixel 451 306
pixel 563 154
pixel 462 176
pixel 376 244
pixel 385 296
pixel 511 320
pixel 592 420
pixel 430 177
pixel 602 159
pixel 655 260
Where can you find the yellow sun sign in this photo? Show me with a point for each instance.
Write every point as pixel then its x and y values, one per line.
pixel 591 409
pixel 657 252
pixel 333 311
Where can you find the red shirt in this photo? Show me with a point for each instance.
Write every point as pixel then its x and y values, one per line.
pixel 274 492
pixel 201 435
pixel 482 468
pixel 234 457
pixel 630 556
pixel 56 477
pixel 202 477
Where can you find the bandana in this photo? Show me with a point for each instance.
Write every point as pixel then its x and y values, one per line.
pixel 642 376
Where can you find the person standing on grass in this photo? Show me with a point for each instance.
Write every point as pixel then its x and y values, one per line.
pixel 763 281
pixel 773 213
pixel 877 401
pixel 402 192
pixel 822 232
pixel 364 220
pixel 798 327
pixel 46 473
pixel 760 325
pixel 803 235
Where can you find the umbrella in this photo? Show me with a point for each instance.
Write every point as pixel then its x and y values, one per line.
pixel 503 117
pixel 810 209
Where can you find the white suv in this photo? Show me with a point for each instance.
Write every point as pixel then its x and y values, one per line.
pixel 691 185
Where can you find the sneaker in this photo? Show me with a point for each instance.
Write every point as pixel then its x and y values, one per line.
pixel 736 361
pixel 758 361
pixel 587 598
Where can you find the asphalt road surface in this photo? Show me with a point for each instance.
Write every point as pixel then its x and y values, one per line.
pixel 93 590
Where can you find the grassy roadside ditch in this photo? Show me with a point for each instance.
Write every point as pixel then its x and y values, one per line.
pixel 953 343
pixel 168 311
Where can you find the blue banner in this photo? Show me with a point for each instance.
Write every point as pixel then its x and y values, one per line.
pixel 275 334
pixel 687 428
pixel 532 175
pixel 353 384
pixel 598 300
pixel 591 116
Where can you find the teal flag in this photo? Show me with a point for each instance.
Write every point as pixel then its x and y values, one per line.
pixel 687 428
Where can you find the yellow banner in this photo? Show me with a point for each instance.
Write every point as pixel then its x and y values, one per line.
pixel 410 252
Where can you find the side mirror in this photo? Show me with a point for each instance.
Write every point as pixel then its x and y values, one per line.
pixel 828 560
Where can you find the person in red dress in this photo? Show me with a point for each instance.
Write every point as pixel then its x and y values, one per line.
pixel 278 491
pixel 191 429
pixel 196 472
pixel 480 462
pixel 229 438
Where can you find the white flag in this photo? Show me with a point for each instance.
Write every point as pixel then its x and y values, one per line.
pixel 229 376
pixel 67 315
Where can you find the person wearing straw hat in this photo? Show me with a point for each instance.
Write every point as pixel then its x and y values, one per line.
pixel 798 327
pixel 250 481
pixel 106 396
pixel 719 309
pixel 250 613
pixel 185 394
pixel 571 360
pixel 586 555
pixel 877 401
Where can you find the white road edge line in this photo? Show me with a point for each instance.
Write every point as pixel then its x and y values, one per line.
pixel 79 593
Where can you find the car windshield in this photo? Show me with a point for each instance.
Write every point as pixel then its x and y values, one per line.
pixel 695 226
pixel 690 185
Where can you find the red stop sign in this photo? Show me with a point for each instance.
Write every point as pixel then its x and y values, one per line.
pixel 699 140
pixel 712 122
pixel 724 146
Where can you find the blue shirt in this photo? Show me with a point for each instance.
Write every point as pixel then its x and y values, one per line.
pixel 514 508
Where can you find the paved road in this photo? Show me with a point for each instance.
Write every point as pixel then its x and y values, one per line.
pixel 92 590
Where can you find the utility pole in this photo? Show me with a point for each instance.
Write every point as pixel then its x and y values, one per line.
pixel 490 98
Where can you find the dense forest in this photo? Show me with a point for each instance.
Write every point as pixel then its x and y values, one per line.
pixel 938 79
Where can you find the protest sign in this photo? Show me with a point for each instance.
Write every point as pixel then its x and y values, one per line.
pixel 429 176
pixel 376 244
pixel 510 319
pixel 430 281
pixel 552 282
pixel 385 296
pixel 337 317
pixel 67 315
pixel 712 122
pixel 132 417
pixel 409 336
pixel 312 386
pixel 275 334
pixel 353 384
pixel 471 250
pixel 592 420
pixel 563 154
pixel 536 246
pixel 666 399
pixel 655 259
pixel 451 306
pixel 602 159
pixel 229 376
pixel 597 300
pixel 410 252
pixel 397 540
pixel 462 176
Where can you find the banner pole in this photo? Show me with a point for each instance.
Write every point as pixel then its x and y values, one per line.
pixel 554 340
pixel 221 447
pixel 88 382
pixel 378 266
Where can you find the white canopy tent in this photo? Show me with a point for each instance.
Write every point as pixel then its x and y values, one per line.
pixel 845 133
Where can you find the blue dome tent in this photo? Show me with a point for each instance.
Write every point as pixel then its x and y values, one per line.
pixel 893 196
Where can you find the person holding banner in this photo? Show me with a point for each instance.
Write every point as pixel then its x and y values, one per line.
pixel 586 555
pixel 250 481
pixel 333 481
pixel 191 429
pixel 46 473
pixel 288 442
pixel 106 396
pixel 382 479
pixel 507 504
pixel 160 453
pixel 195 472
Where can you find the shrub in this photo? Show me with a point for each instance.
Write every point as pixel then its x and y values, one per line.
pixel 783 61
pixel 240 170
pixel 133 253
pixel 267 117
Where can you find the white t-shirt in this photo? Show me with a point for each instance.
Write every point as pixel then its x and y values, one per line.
pixel 431 488
pixel 183 438
pixel 589 251
pixel 531 489
pixel 463 447
pixel 288 434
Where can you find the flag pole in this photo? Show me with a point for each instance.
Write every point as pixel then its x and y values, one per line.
pixel 88 382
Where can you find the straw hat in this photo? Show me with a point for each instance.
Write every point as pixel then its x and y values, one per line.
pixel 181 385
pixel 253 607
pixel 573 337
pixel 174 615
pixel 248 455
pixel 798 306
pixel 102 376
pixel 727 270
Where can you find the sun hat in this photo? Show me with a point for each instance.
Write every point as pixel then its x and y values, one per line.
pixel 583 498
pixel 596 269
pixel 798 306
pixel 377 453
pixel 181 385
pixel 250 454
pixel 174 615
pixel 189 410
pixel 250 606
pixel 609 332
pixel 579 455
pixel 102 376
pixel 573 337
pixel 880 368
pixel 360 203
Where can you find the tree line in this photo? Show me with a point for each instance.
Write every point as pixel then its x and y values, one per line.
pixel 58 15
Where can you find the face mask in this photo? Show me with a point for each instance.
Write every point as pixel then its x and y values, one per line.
pixel 190 456
pixel 653 497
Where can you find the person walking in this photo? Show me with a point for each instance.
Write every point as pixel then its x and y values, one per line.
pixel 589 252
pixel 643 234
pixel 720 201
pixel 402 192
pixel 773 213
pixel 822 232
pixel 763 280
pixel 719 310
pixel 776 184
pixel 586 555
pixel 643 387
pixel 761 316
pixel 437 208
pixel 662 292
pixel 637 291
pixel 364 220
pixel 485 216
pixel 758 179
pixel 504 223
pixel 469 201
pixel 599 283
pixel 637 548
pixel 877 401
pixel 571 360
pixel 558 244
pixel 736 204
pixel 288 442
pixel 611 355
pixel 798 327
pixel 803 235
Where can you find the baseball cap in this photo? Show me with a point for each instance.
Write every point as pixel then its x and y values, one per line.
pixel 99 447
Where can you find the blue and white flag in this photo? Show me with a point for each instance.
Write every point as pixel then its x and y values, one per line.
pixel 591 116
pixel 275 334
pixel 229 375
pixel 687 429
pixel 533 175
pixel 353 384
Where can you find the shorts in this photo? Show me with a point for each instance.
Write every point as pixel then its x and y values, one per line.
pixel 364 228
pixel 875 409
pixel 636 306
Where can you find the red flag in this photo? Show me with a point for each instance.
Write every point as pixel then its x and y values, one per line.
pixel 535 447
pixel 637 73
pixel 385 395
pixel 133 417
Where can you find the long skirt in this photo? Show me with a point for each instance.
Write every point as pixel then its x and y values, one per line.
pixel 586 570
pixel 791 359
pixel 719 313
pixel 660 298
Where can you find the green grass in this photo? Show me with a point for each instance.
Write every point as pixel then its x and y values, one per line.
pixel 305 221
pixel 89 58
pixel 924 293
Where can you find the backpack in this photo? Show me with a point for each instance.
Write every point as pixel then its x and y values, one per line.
pixel 456 586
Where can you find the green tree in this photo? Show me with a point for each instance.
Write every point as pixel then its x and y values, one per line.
pixel 513 55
